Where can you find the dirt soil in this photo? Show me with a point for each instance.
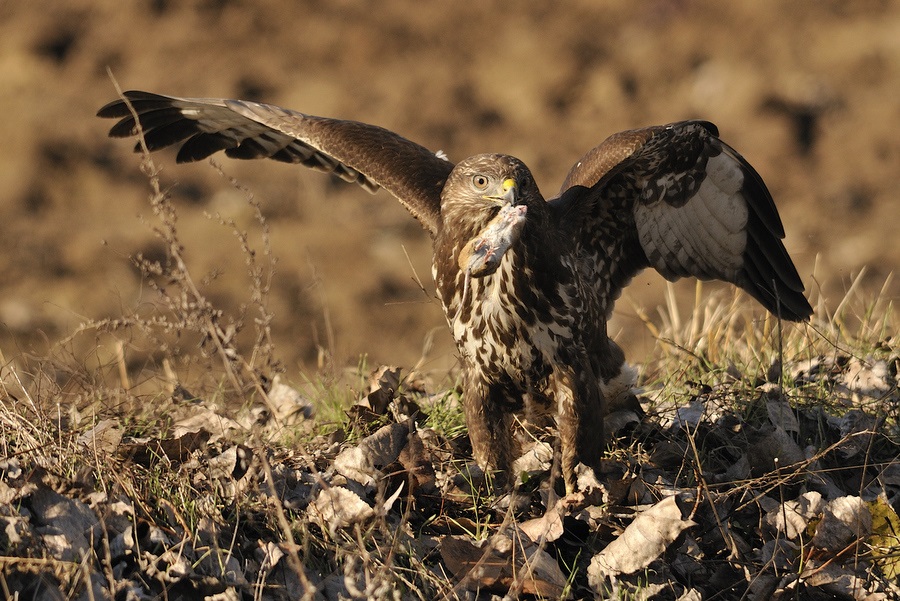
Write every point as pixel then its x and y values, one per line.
pixel 806 90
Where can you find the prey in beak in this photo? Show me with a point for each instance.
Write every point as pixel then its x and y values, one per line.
pixel 482 254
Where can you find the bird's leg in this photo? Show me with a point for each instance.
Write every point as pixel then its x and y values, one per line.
pixel 490 427
pixel 579 405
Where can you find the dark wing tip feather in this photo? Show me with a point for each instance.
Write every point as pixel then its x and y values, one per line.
pixel 248 149
pixel 758 279
pixel 202 145
pixel 774 283
pixel 369 156
pixel 770 275
pixel 167 134
pixel 139 100
pixel 755 187
pixel 163 124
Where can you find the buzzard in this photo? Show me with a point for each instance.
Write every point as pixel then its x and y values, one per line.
pixel 527 284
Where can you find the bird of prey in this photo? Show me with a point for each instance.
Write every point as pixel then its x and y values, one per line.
pixel 527 284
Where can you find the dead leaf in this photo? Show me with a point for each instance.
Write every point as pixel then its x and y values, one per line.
pixel 497 565
pixel 691 595
pixel 844 521
pixel 588 485
pixel 288 404
pixel 385 506
pixel 147 451
pixel 104 437
pixel 617 478
pixel 773 445
pixel 268 554
pixel 67 526
pixel 793 517
pixel 779 554
pixel 363 463
pixel 232 463
pixel 10 469
pixel 617 421
pixel 857 428
pixel 890 475
pixel 417 464
pixel 691 415
pixel 669 454
pixel 384 383
pixel 215 561
pixel 336 507
pixel 642 541
pixel 783 416
pixel 205 419
pixel 15 531
pixel 445 524
pixel 537 458
pixel 548 527
pixel 885 539
pixel 839 580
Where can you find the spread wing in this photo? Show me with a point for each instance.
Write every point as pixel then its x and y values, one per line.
pixel 678 199
pixel 370 156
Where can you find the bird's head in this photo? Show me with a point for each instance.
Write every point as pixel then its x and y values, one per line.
pixel 479 186
pixel 484 205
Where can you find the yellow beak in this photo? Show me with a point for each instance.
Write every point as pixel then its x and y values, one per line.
pixel 508 194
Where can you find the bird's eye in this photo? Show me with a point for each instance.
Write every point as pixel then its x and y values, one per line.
pixel 480 181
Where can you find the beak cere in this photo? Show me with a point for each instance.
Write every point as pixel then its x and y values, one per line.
pixel 510 192
pixel 506 195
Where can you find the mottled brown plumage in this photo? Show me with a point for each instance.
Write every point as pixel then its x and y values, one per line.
pixel 527 285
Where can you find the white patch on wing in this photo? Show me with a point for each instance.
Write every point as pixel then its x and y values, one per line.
pixel 725 172
pixel 706 236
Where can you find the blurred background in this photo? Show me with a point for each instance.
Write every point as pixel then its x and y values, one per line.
pixel 807 90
